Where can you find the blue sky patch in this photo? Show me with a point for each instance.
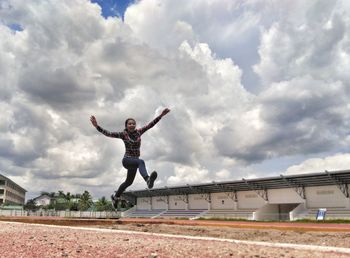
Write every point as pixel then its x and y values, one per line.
pixel 15 27
pixel 113 8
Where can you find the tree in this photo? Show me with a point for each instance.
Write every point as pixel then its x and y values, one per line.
pixel 52 194
pixel 30 205
pixel 61 194
pixel 74 206
pixel 85 201
pixel 68 197
pixel 104 205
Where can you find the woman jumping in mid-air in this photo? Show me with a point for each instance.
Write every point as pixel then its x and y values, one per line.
pixel 131 161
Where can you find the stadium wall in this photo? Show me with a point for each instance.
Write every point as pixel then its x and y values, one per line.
pixel 198 201
pixel 267 212
pixel 159 202
pixel 325 197
pixel 249 200
pixel 284 195
pixel 177 202
pixel 223 201
pixel 144 203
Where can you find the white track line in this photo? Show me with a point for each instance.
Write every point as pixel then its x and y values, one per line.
pixel 257 243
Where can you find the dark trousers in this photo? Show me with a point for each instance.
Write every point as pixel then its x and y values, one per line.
pixel 131 164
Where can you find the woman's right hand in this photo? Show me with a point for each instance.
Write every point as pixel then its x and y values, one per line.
pixel 93 121
pixel 165 111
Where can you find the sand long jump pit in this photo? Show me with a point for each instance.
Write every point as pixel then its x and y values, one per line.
pixel 142 239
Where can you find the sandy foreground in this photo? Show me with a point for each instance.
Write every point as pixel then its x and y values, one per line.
pixel 149 240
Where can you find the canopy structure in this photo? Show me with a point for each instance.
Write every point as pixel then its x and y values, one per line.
pixel 298 182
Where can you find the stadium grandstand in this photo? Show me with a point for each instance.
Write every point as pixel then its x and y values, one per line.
pixel 284 197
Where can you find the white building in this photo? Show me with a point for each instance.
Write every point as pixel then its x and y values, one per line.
pixel 276 198
pixel 10 192
pixel 42 200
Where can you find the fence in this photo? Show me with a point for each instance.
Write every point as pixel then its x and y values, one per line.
pixel 65 214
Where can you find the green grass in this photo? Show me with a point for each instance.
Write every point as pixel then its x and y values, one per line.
pixel 347 221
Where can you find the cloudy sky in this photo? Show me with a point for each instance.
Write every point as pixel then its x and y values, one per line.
pixel 256 88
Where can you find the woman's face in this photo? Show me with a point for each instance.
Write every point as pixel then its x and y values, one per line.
pixel 131 125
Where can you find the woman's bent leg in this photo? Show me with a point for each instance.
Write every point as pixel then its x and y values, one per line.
pixel 131 165
pixel 136 163
pixel 129 180
pixel 142 169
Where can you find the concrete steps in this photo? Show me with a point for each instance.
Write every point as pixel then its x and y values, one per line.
pixel 144 213
pixel 332 213
pixel 239 214
pixel 182 213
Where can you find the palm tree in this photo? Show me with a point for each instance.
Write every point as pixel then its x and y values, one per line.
pixel 60 201
pixel 104 205
pixel 68 197
pixel 61 194
pixel 85 201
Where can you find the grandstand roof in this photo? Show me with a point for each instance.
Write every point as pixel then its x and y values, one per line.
pixel 287 181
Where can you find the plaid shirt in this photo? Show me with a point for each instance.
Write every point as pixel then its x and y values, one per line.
pixel 132 140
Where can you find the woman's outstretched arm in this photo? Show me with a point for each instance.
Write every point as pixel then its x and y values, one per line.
pixel 165 111
pixel 154 121
pixel 93 121
pixel 104 131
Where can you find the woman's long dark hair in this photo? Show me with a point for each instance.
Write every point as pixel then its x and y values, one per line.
pixel 127 120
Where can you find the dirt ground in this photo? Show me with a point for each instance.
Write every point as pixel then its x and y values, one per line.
pixel 43 241
pixel 111 238
pixel 337 239
pixel 336 235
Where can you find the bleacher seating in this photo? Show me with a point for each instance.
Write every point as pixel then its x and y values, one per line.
pixel 143 213
pixel 332 213
pixel 182 213
pixel 191 213
pixel 232 214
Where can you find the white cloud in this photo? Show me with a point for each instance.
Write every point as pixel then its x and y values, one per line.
pixel 339 161
pixel 312 45
pixel 188 175
pixel 196 57
pixel 222 174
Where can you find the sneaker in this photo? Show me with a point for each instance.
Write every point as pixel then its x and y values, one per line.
pixel 115 201
pixel 151 179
